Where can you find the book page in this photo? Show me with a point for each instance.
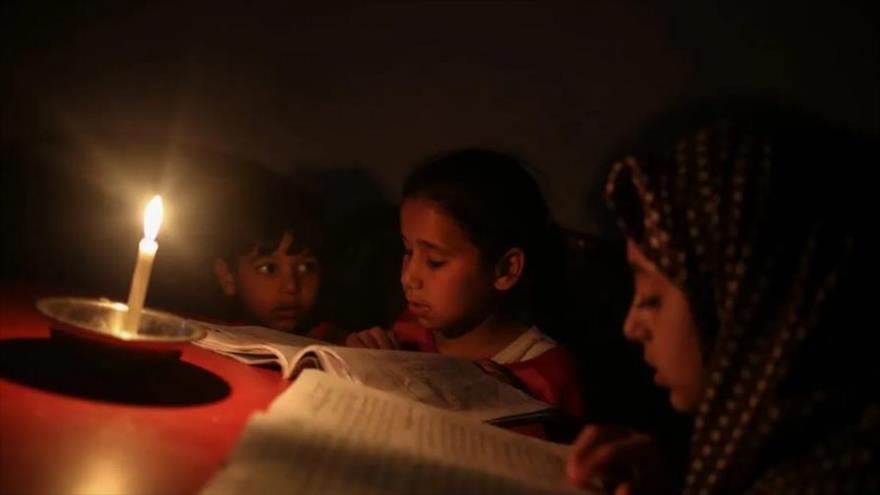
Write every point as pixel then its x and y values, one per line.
pixel 441 381
pixel 245 336
pixel 327 435
pixel 254 345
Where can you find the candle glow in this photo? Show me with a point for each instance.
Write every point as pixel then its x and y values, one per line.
pixel 146 253
pixel 153 218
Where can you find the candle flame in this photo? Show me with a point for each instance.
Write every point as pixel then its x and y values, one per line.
pixel 153 218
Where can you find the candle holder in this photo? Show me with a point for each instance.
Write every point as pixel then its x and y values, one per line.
pixel 102 321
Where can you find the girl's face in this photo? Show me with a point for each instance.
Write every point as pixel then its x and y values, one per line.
pixel 660 319
pixel 447 285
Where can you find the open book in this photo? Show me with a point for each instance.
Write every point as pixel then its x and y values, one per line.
pixel 328 435
pixel 441 381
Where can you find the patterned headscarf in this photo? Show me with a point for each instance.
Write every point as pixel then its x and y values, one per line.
pixel 759 219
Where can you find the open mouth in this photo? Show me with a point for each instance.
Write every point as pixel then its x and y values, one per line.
pixel 417 308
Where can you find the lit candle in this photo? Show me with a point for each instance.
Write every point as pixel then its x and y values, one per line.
pixel 146 252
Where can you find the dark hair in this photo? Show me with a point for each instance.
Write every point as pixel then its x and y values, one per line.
pixel 260 211
pixel 496 201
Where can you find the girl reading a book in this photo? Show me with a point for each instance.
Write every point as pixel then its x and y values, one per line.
pixel 267 258
pixel 475 229
pixel 746 235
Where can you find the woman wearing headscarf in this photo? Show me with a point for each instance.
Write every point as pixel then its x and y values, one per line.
pixel 746 236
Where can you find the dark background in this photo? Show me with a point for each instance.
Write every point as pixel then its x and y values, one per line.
pixel 106 103
pixel 382 85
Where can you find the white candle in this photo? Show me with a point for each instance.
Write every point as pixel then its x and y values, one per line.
pixel 146 252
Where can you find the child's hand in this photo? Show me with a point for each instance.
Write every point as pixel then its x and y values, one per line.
pixel 501 373
pixel 623 461
pixel 373 338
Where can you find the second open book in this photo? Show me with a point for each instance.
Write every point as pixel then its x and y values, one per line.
pixel 329 435
pixel 441 381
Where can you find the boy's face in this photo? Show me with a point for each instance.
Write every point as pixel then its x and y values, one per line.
pixel 444 279
pixel 279 290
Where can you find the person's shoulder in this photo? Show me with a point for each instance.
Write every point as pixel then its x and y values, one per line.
pixel 539 351
pixel 554 377
pixel 556 357
pixel 532 344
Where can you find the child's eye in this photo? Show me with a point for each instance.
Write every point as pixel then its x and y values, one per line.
pixel 308 266
pixel 407 253
pixel 433 264
pixel 649 302
pixel 266 268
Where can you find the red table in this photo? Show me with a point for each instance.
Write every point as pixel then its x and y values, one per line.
pixel 59 434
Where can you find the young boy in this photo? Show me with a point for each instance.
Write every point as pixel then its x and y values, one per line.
pixel 267 258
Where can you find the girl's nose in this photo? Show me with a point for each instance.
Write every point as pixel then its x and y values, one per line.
pixel 633 329
pixel 409 277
